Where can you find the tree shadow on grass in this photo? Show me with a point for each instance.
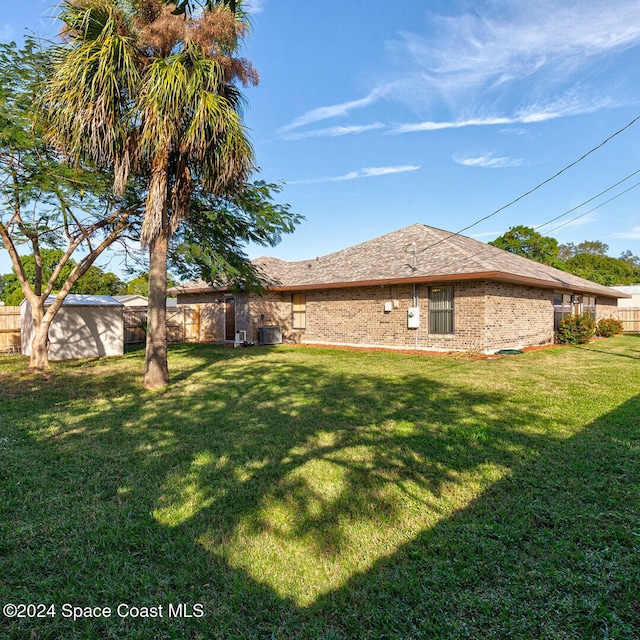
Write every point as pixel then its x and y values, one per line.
pixel 296 501
pixel 626 353
pixel 552 551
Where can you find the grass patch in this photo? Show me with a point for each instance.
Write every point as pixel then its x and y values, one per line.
pixel 296 492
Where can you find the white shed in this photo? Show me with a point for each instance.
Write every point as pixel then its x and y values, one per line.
pixel 85 326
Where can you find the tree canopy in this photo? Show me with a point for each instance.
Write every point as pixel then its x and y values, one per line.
pixel 602 269
pixel 587 259
pixel 94 281
pixel 592 247
pixel 45 204
pixel 526 242
pixel 151 88
pixel 211 245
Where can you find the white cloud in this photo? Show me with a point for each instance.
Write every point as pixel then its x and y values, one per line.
pixel 7 32
pixel 255 6
pixel 515 131
pixel 578 221
pixel 509 62
pixel 632 234
pixel 514 40
pixel 332 132
pixel 487 234
pixel 382 171
pixel 488 161
pixel 366 172
pixel 333 111
pixel 569 105
pixel 430 125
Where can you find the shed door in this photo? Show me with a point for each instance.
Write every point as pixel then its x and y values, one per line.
pixel 230 319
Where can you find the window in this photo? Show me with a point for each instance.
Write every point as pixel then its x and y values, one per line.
pixel 562 307
pixel 589 306
pixel 440 309
pixel 565 304
pixel 299 301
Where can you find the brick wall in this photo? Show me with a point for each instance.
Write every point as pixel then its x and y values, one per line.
pixel 488 316
pixel 517 316
pixel 211 314
pixel 606 308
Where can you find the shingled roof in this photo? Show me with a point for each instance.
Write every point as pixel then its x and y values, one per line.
pixel 418 253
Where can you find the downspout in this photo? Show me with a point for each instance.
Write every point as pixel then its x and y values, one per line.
pixel 415 302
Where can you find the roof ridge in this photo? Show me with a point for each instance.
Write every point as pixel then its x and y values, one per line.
pixel 353 246
pixel 468 255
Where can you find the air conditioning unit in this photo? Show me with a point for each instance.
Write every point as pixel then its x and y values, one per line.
pixel 270 335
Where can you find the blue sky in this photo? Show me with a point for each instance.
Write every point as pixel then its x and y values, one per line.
pixel 378 115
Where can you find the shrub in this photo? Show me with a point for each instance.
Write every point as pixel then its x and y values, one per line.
pixel 608 327
pixel 576 329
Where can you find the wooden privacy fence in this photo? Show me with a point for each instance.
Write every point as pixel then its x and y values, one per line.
pixel 630 318
pixel 9 329
pixel 183 324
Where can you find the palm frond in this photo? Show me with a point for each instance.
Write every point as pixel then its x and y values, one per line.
pixel 92 84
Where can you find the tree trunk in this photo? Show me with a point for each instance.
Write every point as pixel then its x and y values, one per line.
pixel 39 359
pixel 156 373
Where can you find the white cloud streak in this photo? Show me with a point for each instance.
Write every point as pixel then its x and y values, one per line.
pixel 632 234
pixel 7 32
pixel 515 40
pixel 488 161
pixel 333 111
pixel 568 106
pixel 487 234
pixel 578 221
pixel 255 6
pixel 366 172
pixel 333 132
pixel 505 64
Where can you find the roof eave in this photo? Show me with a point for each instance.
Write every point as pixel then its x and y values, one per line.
pixel 178 291
pixel 499 276
pixel 596 290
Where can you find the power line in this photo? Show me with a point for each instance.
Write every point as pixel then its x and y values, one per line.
pixel 613 186
pixel 538 186
pixel 637 184
pixel 489 247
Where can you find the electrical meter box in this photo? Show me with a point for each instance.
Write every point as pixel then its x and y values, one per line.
pixel 413 317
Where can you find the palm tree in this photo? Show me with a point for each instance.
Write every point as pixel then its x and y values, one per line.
pixel 150 89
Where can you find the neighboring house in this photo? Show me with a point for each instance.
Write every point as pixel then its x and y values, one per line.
pixel 416 288
pixel 633 291
pixel 132 300
pixel 84 326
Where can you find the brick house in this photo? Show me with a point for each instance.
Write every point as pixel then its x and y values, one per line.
pixel 417 288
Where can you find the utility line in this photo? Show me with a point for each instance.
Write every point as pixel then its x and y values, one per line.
pixel 637 184
pixel 489 247
pixel 541 184
pixel 562 215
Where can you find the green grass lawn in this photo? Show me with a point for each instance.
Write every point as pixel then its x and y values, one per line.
pixel 295 492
